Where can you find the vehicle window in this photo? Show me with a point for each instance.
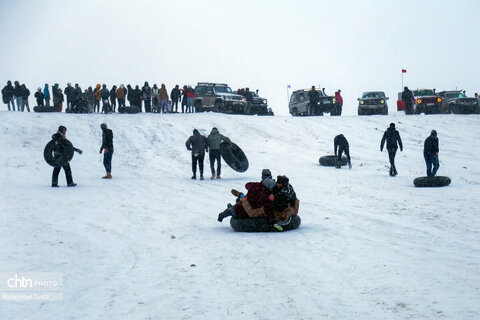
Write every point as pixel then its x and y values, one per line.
pixel 373 95
pixel 200 90
pixel 222 89
pixel 210 91
pixel 423 93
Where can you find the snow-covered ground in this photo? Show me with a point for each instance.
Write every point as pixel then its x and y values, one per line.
pixel 147 245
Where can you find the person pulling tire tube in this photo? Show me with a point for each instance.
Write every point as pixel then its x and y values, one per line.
pixel 61 143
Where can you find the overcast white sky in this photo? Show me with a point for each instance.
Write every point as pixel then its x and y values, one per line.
pixel 355 46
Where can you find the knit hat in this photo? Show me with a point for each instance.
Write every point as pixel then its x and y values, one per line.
pixel 392 125
pixel 434 133
pixel 195 131
pixel 61 128
pixel 266 174
pixel 268 183
pixel 103 126
pixel 283 180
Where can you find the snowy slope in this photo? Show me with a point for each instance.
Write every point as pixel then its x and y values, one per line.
pixel 370 246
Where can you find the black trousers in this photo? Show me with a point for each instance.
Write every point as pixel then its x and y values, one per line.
pixel 68 174
pixel 199 159
pixel 391 157
pixel 96 106
pixel 148 105
pixel 175 103
pixel 347 154
pixel 215 155
pixel 113 102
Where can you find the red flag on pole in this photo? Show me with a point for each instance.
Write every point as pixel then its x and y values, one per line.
pixel 404 70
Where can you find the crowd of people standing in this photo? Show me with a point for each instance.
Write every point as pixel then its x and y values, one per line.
pixel 102 99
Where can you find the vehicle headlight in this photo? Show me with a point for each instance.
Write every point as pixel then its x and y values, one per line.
pixel 382 101
pixel 419 101
pixel 243 99
pixel 361 102
pixel 264 101
pixel 439 99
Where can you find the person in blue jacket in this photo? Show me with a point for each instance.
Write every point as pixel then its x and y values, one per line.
pixel 46 95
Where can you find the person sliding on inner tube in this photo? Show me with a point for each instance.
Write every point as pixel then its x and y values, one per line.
pixel 285 201
pixel 256 203
pixel 60 140
pixel 341 143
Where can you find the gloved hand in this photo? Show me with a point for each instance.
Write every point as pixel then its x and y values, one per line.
pixel 381 149
pixel 278 227
pixel 79 151
pixel 100 150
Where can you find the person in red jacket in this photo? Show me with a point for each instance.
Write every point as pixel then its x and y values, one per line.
pixel 339 103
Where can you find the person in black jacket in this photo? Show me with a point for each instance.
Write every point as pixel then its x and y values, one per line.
pixel 113 98
pixel 60 144
pixel 175 95
pixel 107 148
pixel 341 143
pixel 430 153
pixel 393 141
pixel 407 98
pixel 105 95
pixel 39 97
pixel 7 95
pixel 198 144
pixel 18 93
pixel 147 97
pixel 184 98
pixel 25 95
pixel 314 98
pixel 68 91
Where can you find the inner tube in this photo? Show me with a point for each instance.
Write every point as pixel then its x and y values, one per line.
pixel 45 109
pixel 431 182
pixel 329 161
pixel 128 109
pixel 64 158
pixel 234 156
pixel 261 224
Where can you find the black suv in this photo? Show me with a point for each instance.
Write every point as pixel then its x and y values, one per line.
pixel 218 97
pixel 456 101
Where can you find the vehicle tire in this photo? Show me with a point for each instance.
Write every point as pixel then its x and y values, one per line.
pixel 385 110
pixel 329 161
pixel 218 107
pixel 65 157
pixel 453 108
pixel 261 224
pixel 199 106
pixel 295 112
pixel 360 112
pixel 431 182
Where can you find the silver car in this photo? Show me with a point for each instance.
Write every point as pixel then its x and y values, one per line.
pixel 299 104
pixel 372 102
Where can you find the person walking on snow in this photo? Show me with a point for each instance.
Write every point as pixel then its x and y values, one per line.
pixel 198 144
pixel 341 143
pixel 60 144
pixel 107 148
pixel 393 141
pixel 214 141
pixel 430 153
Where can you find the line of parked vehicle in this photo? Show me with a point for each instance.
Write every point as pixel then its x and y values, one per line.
pixel 375 102
pixel 219 97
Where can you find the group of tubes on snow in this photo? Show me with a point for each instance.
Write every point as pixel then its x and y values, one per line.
pixel 275 200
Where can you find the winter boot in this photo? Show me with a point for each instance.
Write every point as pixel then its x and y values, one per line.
pixel 213 176
pixel 236 193
pixel 218 177
pixel 73 184
pixel 226 213
pixel 54 185
pixel 108 176
pixel 194 176
pixel 201 175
